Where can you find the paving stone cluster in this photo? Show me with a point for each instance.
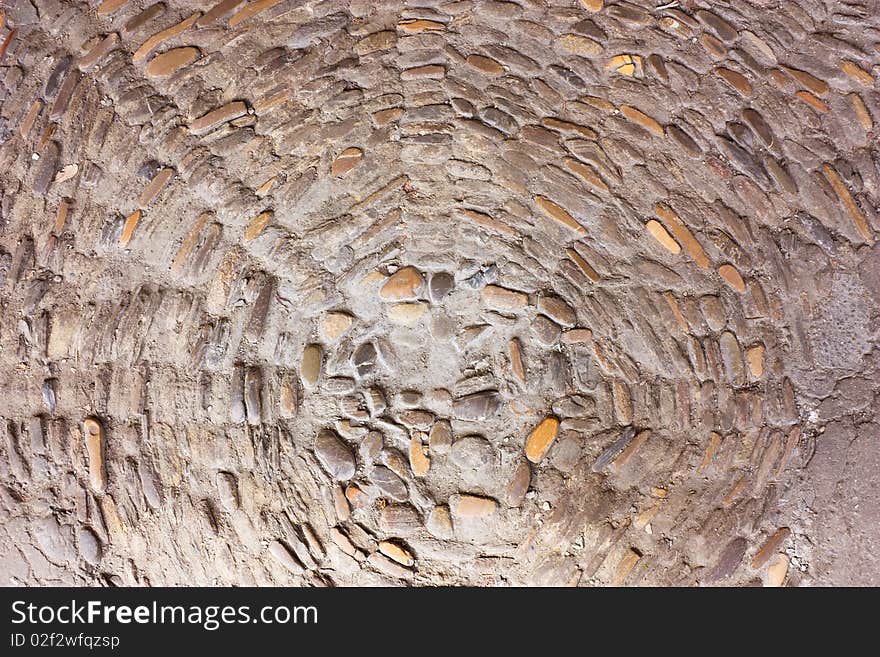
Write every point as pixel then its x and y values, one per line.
pixel 476 292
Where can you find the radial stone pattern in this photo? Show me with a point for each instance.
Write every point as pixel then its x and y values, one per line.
pixel 490 293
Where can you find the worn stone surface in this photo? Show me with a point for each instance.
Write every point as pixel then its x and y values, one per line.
pixel 287 292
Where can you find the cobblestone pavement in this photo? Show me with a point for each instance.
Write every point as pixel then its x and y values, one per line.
pixel 431 292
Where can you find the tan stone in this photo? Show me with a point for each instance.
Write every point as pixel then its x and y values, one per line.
pixel 812 101
pixel 251 10
pixel 258 225
pixel 659 232
pixel 580 45
pixel 736 80
pixel 335 324
pixel 593 5
pixel 771 545
pixel 861 111
pixel 586 173
pixel 407 313
pixel 109 6
pixel 732 277
pixel 131 223
pixel 623 407
pixel 405 283
pixel 394 551
pixel 777 571
pixel 640 118
pixel 634 445
pixel 346 161
pixel 583 265
pixel 558 124
pixel 540 439
pixel 500 298
pixel 755 360
pixel 104 46
pixel 629 65
pixel 310 368
pixel 389 115
pixel 808 80
pixel 93 434
pixel 218 117
pixel 855 213
pixel 683 234
pixel 155 186
pixel 61 216
pixel 558 213
pixel 857 73
pixel 415 26
pixel 439 522
pixel 625 567
pixel 161 37
pixel 418 460
pixel 472 506
pixel 171 61
pixel 485 64
pixel 577 336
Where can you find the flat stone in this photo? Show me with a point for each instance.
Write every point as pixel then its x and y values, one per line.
pixel 336 457
pixel 419 462
pixel 407 313
pixel 485 64
pixel 770 547
pixel 284 557
pixel 557 309
pixel 623 408
pixel 416 419
pixel 396 552
pixel 546 331
pixel 310 368
pixel 641 119
pixel 519 484
pixel 93 433
pixel 364 359
pixel 732 278
pixel 258 225
pixel 477 406
pixel 516 363
pixel 171 61
pixel 577 336
pixel 661 235
pixel 472 506
pixel 389 483
pixel 376 42
pixel 215 118
pixel 777 571
pixel 755 360
pixel 440 438
pixel 559 214
pixel 541 438
pixel 501 298
pixel 346 161
pixel 580 45
pixel 334 324
pixel 441 284
pixel 399 520
pixel 406 283
pixel 439 523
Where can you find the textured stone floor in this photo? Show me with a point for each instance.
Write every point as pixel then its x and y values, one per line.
pixel 492 293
